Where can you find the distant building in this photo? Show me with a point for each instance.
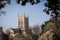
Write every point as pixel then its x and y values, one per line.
pixel 23 23
pixel 36 30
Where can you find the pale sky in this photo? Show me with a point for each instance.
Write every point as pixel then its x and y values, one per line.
pixel 35 13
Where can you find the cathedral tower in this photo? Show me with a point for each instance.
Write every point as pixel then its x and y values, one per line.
pixel 23 23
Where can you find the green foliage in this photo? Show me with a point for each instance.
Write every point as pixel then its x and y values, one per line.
pixel 20 31
pixel 2 4
pixel 35 37
pixel 42 26
pixel 47 25
pixel 22 2
pixel 52 8
pixel 51 25
pixel 0 28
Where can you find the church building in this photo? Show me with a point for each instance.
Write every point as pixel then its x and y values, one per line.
pixel 23 23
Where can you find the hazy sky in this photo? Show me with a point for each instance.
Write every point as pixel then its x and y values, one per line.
pixel 35 13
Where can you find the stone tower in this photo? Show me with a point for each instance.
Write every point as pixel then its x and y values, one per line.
pixel 23 23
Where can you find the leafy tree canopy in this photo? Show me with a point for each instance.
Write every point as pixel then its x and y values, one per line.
pixel 52 7
pixel 22 2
